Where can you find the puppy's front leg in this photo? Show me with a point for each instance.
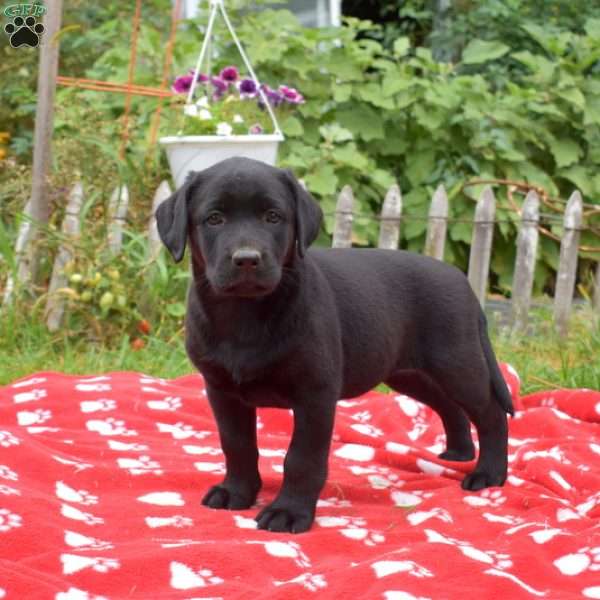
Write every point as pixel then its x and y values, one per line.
pixel 237 430
pixel 305 469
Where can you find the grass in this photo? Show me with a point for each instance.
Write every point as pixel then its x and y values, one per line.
pixel 542 358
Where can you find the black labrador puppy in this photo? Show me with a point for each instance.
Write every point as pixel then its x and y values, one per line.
pixel 271 324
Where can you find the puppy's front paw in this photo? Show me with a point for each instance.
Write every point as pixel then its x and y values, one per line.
pixel 478 480
pixel 285 517
pixel 229 497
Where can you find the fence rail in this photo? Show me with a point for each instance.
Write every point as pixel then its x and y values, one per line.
pixel 390 222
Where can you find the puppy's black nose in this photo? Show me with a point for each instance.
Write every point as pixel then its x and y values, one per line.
pixel 246 258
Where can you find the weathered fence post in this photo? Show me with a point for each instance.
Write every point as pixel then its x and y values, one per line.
pixel 163 191
pixel 567 268
pixel 55 305
pixel 596 301
pixel 437 224
pixel 117 211
pixel 342 228
pixel 389 227
pixel 527 242
pixel 481 245
pixel 37 208
pixel 23 238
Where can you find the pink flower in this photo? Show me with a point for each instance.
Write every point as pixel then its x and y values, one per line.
pixel 182 84
pixel 291 95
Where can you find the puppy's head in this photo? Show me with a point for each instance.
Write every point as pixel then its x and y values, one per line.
pixel 245 220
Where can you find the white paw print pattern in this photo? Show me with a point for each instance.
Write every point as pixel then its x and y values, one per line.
pixel 313 583
pixel 33 417
pixel 333 503
pixel 100 405
pixel 585 559
pixel 218 468
pixel 184 577
pixel 405 499
pixel 367 429
pixel 7 439
pixel 70 512
pixel 123 446
pixel 6 490
pixel 171 403
pixel 181 431
pixel 416 412
pixel 353 528
pixel 30 396
pixel 109 426
pixel 83 542
pixel 28 382
pixel 140 465
pixel 379 478
pixel 487 498
pixel 286 550
pixel 9 520
pixel 362 416
pixel 383 568
pixel 77 594
pixel 68 494
pixel 175 521
pixel 93 387
pixel 490 557
pixel 72 563
pixel 7 473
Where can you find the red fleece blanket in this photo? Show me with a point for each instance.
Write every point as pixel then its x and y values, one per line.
pixel 101 480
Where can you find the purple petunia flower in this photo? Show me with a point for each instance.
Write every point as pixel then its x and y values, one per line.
pixel 202 78
pixel 182 84
pixel 273 96
pixel 291 95
pixel 248 88
pixel 229 74
pixel 255 129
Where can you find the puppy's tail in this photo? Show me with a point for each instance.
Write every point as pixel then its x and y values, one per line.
pixel 499 386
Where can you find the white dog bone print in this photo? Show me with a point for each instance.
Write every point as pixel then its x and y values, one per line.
pixel 116 445
pixel 93 387
pixel 171 403
pixel 27 382
pixel 103 405
pixel 140 465
pixel 286 550
pixel 174 521
pixel 418 517
pixel 109 426
pixel 79 466
pixel 355 452
pixel 83 542
pixel 184 578
pixel 68 494
pixel 72 563
pixel 309 581
pixel 30 396
pixel 163 499
pixel 197 450
pixel 383 568
pixel 70 512
pixel 26 417
pixel 77 594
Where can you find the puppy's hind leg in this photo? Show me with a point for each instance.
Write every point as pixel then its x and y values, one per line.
pixel 459 444
pixel 475 395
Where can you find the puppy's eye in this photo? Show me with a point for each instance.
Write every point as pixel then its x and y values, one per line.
pixel 272 216
pixel 215 218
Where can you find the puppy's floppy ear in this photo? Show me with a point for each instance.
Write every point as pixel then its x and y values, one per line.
pixel 172 217
pixel 307 214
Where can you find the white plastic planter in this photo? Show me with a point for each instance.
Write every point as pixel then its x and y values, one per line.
pixel 197 152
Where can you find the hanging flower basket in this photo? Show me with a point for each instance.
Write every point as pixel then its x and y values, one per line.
pixel 225 115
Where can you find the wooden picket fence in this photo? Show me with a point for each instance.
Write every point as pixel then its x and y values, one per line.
pixel 389 237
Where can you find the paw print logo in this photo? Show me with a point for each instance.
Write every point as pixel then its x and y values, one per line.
pixel 6 490
pixel 104 405
pixel 8 520
pixel 24 32
pixel 585 559
pixel 493 498
pixel 26 418
pixel 353 528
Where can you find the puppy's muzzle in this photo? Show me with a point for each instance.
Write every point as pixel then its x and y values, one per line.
pixel 246 259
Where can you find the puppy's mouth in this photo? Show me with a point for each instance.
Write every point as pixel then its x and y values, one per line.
pixel 246 289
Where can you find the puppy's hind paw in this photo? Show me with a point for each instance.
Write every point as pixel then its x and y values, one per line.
pixel 479 480
pixel 221 497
